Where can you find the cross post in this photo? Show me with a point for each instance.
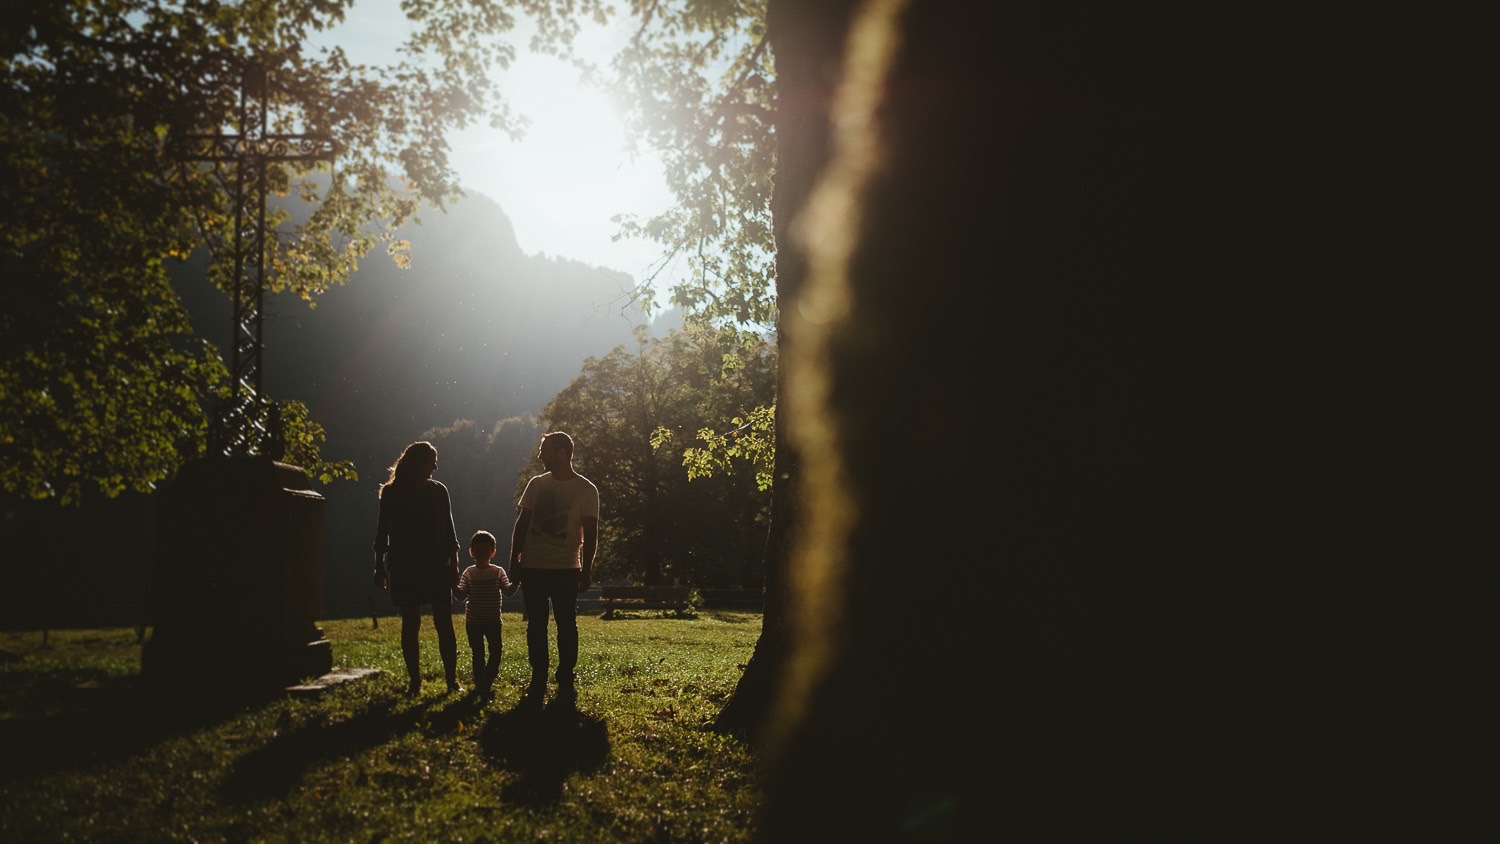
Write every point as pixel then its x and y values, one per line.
pixel 240 428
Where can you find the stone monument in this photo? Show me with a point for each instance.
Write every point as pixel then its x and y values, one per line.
pixel 239 579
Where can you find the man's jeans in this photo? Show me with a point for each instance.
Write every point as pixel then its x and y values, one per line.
pixel 559 589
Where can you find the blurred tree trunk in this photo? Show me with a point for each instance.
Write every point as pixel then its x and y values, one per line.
pixel 1138 430
pixel 807 40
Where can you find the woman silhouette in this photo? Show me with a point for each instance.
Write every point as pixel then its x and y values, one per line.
pixel 416 556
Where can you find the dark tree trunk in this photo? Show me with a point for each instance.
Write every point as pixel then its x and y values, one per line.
pixel 806 39
pixel 1144 473
pixel 746 712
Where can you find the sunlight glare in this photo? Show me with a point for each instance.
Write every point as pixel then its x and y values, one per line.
pixel 563 182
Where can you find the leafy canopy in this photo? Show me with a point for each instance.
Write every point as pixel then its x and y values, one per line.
pixel 695 81
pixel 102 383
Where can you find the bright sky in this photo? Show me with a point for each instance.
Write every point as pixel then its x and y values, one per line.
pixel 561 184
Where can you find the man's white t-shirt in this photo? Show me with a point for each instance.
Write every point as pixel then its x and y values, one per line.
pixel 558 508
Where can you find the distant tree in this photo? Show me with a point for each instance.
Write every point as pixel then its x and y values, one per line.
pixel 632 413
pixel 102 383
pixel 720 514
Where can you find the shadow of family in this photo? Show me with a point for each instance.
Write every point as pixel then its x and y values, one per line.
pixel 539 746
pixel 534 748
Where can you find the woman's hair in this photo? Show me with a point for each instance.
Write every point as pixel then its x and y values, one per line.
pixel 413 461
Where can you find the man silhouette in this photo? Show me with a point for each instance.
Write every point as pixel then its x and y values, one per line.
pixel 552 550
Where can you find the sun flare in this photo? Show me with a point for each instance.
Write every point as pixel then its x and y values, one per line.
pixel 570 174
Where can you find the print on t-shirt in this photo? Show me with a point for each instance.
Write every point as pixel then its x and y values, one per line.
pixel 547 519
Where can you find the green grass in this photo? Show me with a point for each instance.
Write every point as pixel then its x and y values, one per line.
pixel 87 755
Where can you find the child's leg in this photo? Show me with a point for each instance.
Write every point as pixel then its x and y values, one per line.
pixel 476 648
pixel 492 633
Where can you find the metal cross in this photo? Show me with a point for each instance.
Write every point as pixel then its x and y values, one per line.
pixel 240 428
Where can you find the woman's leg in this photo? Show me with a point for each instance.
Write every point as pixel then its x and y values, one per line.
pixel 411 626
pixel 442 619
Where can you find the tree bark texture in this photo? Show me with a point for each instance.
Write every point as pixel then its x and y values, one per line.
pixel 807 39
pixel 1141 385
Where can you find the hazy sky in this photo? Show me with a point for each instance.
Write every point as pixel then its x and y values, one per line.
pixel 563 182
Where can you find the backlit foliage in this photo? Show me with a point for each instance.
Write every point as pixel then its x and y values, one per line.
pixel 102 382
pixel 696 81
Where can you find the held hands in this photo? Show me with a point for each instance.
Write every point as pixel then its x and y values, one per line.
pixel 583 581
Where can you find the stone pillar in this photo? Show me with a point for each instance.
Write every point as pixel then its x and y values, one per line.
pixel 239 579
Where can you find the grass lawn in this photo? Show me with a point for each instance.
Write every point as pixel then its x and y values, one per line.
pixel 86 754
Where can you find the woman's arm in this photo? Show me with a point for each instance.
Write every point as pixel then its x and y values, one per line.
pixel 381 576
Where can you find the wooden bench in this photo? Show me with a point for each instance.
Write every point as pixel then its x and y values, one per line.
pixel 674 598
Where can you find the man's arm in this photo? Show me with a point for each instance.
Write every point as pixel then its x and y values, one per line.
pixel 590 545
pixel 507 586
pixel 518 536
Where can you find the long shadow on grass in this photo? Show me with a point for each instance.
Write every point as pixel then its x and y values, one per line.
pixel 543 746
pixel 271 771
pixel 94 723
